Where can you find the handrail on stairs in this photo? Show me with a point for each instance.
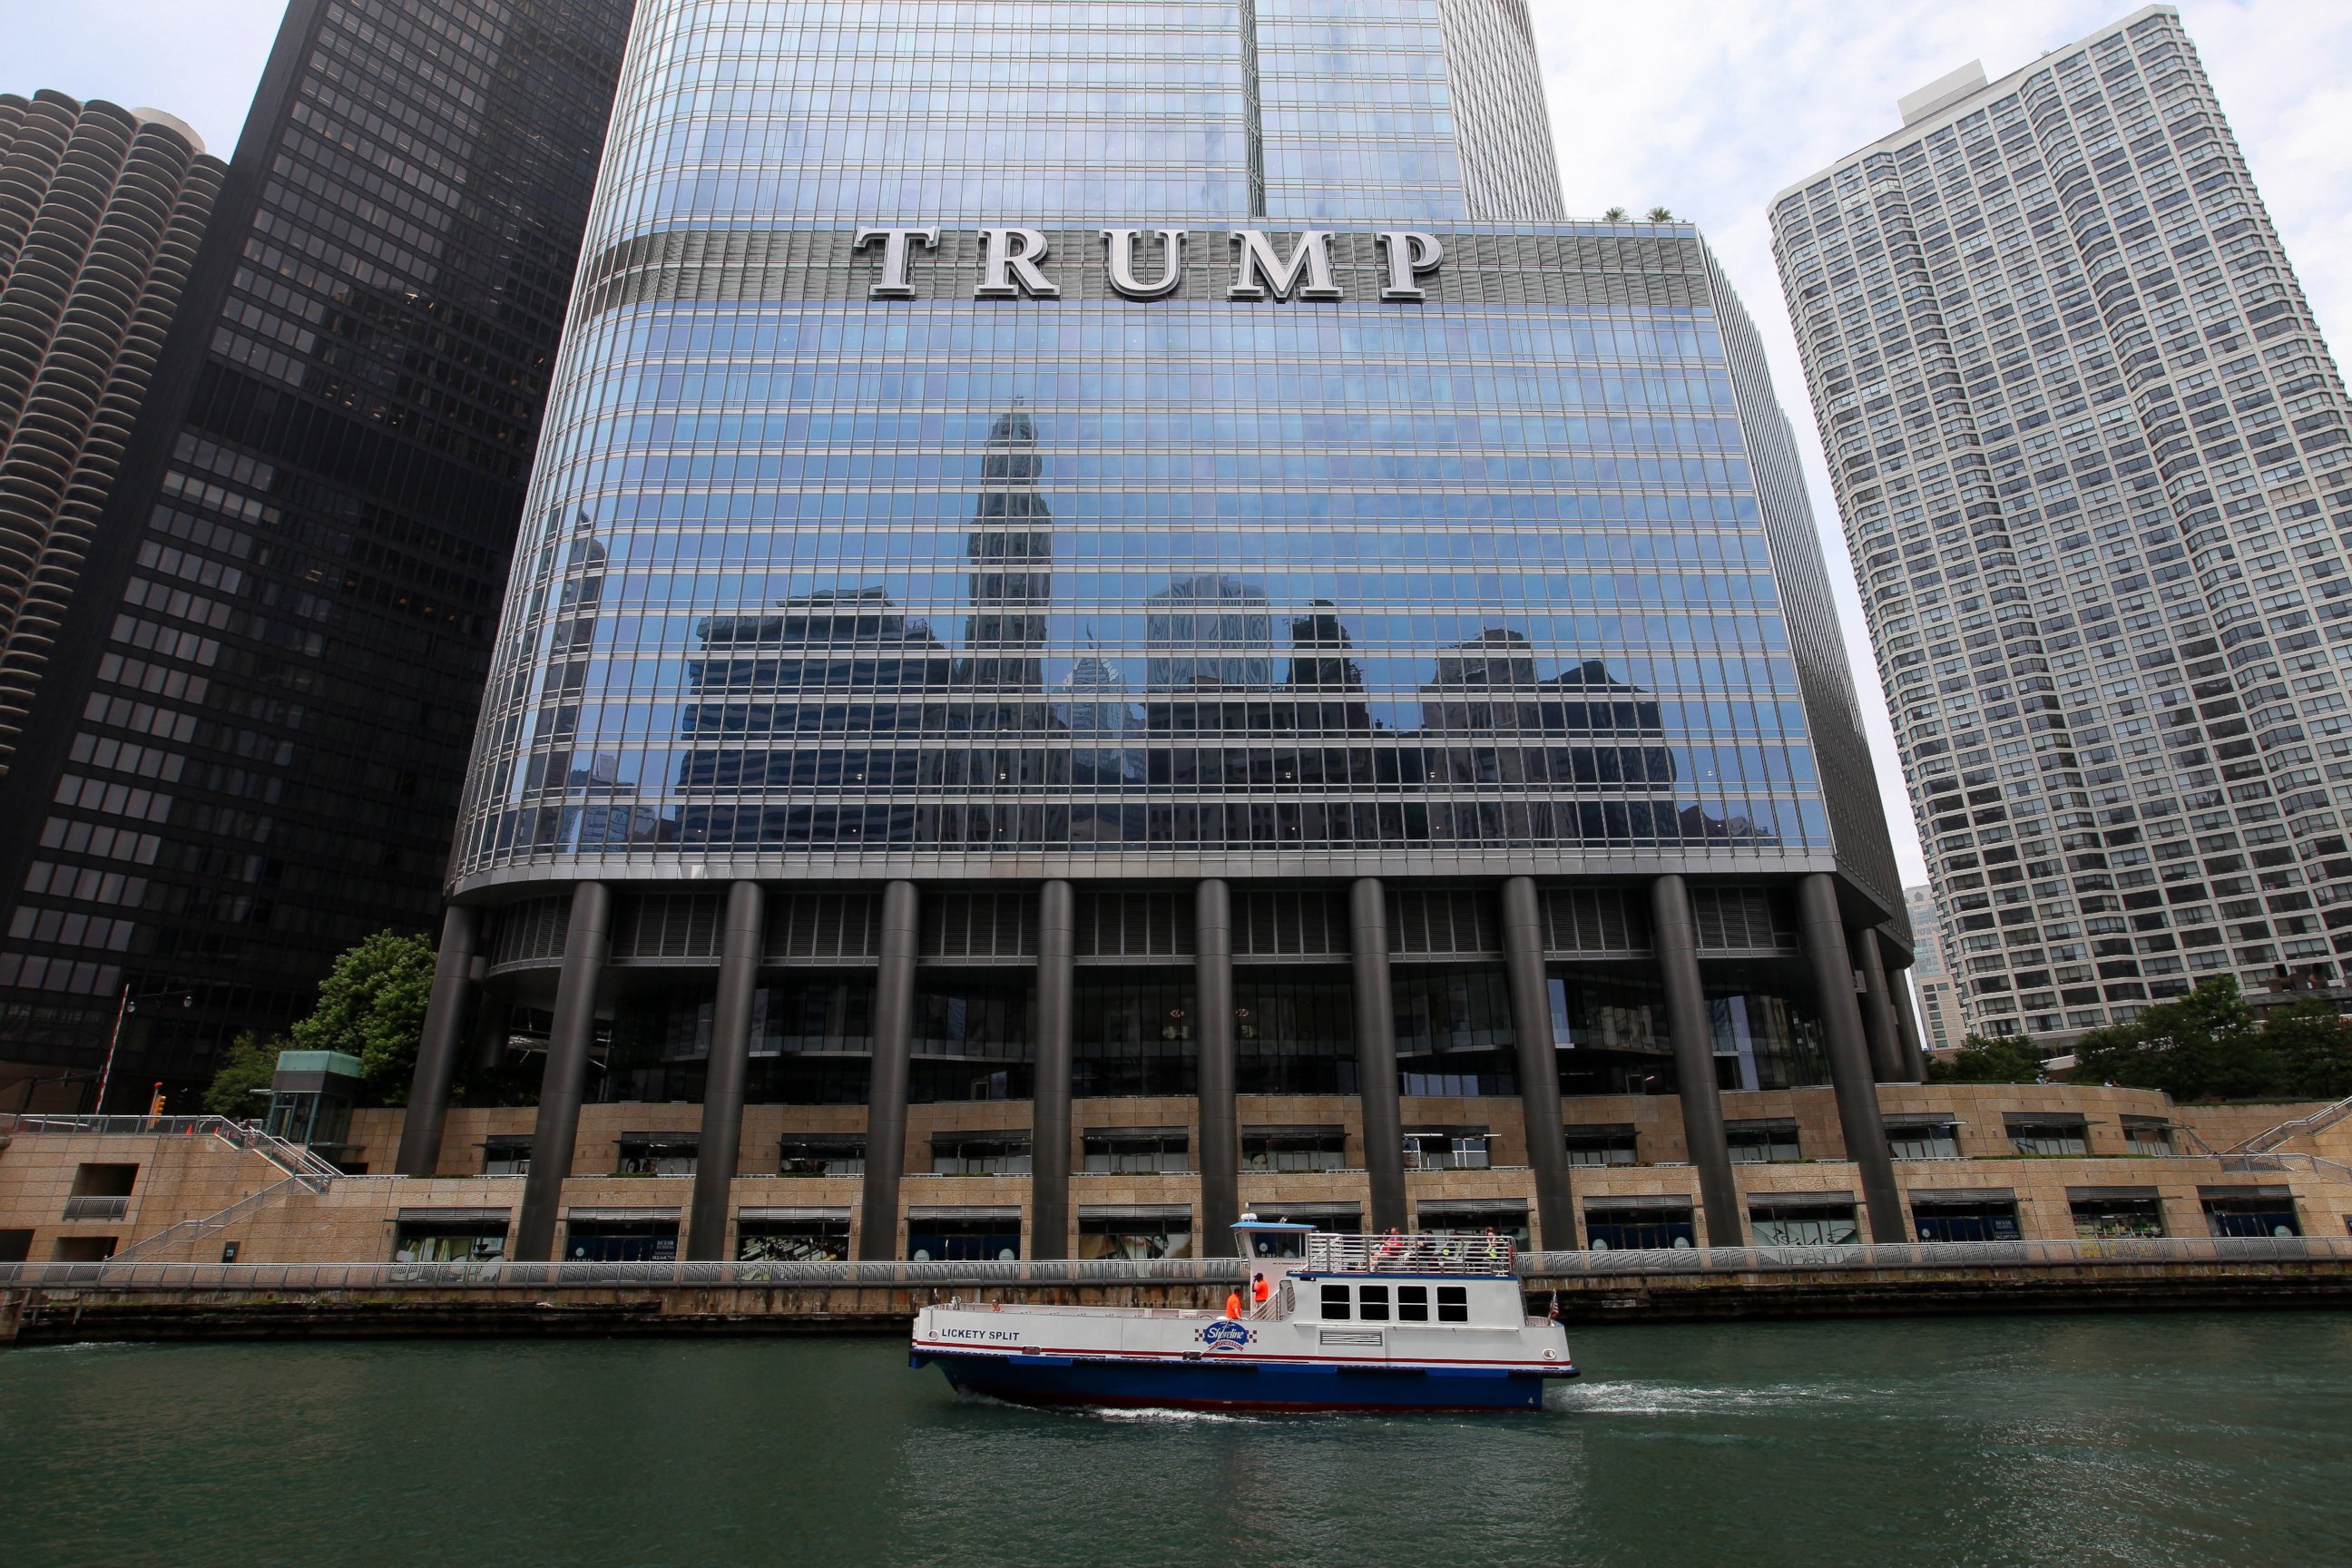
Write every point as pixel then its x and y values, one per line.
pixel 2270 1138
pixel 198 1228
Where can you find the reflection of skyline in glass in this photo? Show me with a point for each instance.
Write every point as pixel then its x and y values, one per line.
pixel 1348 662
pixel 832 716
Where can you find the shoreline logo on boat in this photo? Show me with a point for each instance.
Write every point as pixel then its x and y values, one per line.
pixel 1226 1335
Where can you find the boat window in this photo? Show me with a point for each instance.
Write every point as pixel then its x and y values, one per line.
pixel 1372 1303
pixel 1453 1303
pixel 1412 1303
pixel 1335 1300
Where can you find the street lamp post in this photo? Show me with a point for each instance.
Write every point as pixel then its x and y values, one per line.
pixel 127 1006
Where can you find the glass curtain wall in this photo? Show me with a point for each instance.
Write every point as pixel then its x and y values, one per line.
pixel 1082 573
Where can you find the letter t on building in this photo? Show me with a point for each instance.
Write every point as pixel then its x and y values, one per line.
pixel 893 284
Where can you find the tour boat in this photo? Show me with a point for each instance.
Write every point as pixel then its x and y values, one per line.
pixel 1349 1322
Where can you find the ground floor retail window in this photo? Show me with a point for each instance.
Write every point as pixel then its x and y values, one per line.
pixel 2105 1219
pixel 1924 1141
pixel 1293 1149
pixel 1501 1221
pixel 1135 1234
pixel 1966 1222
pixel 2061 1135
pixel 1821 1223
pixel 1761 1142
pixel 450 1244
pixel 1135 1151
pixel 793 1240
pixel 1447 1149
pixel 1341 1219
pixel 2253 1217
pixel 621 1241
pixel 822 1154
pixel 964 1239
pixel 1601 1146
pixel 659 1154
pixel 980 1154
pixel 1639 1226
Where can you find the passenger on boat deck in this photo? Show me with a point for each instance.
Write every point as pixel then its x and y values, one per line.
pixel 1234 1304
pixel 1258 1291
pixel 1391 1245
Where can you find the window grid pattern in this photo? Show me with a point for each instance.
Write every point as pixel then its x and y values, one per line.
pixel 2091 456
pixel 828 579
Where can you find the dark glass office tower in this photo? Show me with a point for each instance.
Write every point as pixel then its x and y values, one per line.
pixel 245 750
pixel 1092 554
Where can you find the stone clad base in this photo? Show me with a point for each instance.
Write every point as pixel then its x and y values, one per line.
pixel 186 1177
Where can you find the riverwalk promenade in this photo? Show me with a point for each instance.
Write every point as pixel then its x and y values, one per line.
pixel 57 1302
pixel 2057 1197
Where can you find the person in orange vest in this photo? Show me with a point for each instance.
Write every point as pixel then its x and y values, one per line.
pixel 1234 1304
pixel 1259 1288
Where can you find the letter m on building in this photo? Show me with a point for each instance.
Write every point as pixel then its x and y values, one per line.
pixel 1258 271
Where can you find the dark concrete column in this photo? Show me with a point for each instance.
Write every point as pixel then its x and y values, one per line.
pixel 1857 1096
pixel 486 1035
pixel 1878 1011
pixel 1049 1115
pixel 1906 1025
pixel 1677 946
pixel 730 1062
pixel 586 942
pixel 1213 1001
pixel 1523 960
pixel 893 1044
pixel 447 1016
pixel 1376 1063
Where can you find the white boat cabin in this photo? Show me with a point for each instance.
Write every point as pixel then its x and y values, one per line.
pixel 1433 1278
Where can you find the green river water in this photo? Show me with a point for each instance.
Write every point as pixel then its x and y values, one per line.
pixel 2081 1441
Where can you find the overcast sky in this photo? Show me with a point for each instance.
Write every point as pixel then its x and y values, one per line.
pixel 1706 106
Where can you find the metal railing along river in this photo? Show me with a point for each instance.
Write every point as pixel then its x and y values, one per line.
pixel 272 1277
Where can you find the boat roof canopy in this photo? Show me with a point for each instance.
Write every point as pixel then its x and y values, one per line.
pixel 1269 1225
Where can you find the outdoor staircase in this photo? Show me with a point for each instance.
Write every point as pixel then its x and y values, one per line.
pixel 299 1168
pixel 187 1232
pixel 2270 1138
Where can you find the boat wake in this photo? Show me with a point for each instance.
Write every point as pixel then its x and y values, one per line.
pixel 1638 1398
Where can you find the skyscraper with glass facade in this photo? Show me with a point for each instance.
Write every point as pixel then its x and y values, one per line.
pixel 2090 450
pixel 240 748
pixel 1125 561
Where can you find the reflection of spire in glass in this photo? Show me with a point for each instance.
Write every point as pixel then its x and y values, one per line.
pixel 1010 549
pixel 1101 721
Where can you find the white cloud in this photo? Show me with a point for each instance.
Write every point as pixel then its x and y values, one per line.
pixel 1710 108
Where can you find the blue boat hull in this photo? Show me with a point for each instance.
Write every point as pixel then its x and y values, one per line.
pixel 1230 1384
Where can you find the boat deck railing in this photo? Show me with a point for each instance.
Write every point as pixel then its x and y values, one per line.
pixel 1421 1252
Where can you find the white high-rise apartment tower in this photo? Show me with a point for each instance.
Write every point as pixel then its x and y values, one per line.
pixel 2092 457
